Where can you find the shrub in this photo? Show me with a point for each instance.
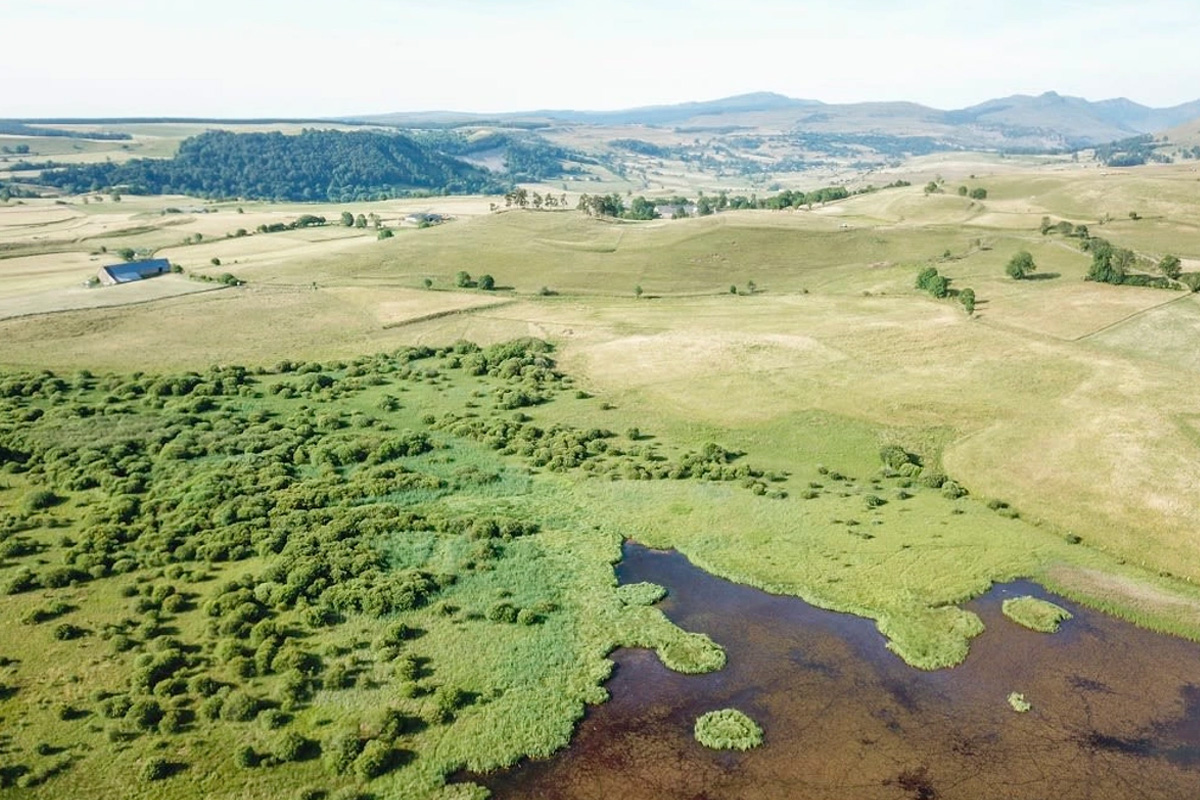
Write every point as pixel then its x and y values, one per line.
pixel 273 718
pixel 41 499
pixel 291 746
pixel 239 707
pixel 502 611
pixel 374 760
pixel 728 729
pixel 933 479
pixel 340 751
pixel 245 757
pixel 65 631
pixel 155 769
pixel 952 491
pixel 895 456
pixel 144 714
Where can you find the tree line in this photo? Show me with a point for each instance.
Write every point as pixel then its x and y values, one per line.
pixel 613 205
pixel 316 165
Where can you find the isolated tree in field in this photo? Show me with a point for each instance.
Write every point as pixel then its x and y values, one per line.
pixel 967 298
pixel 637 291
pixel 347 219
pixel 462 279
pixel 979 194
pixel 487 282
pixel 962 191
pixel 1020 265
pixel 360 221
pixel 1171 267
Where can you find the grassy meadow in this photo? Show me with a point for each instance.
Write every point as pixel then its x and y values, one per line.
pixel 877 451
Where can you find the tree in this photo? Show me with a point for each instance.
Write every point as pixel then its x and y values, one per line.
pixel 1171 267
pixel 463 280
pixel 967 298
pixel 641 208
pixel 487 282
pixel 637 291
pixel 360 221
pixel 979 193
pixel 962 192
pixel 347 219
pixel 1123 259
pixel 1020 265
pixel 930 281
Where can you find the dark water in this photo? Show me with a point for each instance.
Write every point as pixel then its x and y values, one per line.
pixel 1116 710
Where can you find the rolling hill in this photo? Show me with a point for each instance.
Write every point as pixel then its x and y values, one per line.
pixel 1045 121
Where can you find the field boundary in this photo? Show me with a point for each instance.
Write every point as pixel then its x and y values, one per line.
pixel 446 313
pixel 127 304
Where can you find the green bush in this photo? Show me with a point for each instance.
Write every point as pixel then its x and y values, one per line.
pixel 340 751
pixel 728 729
pixel 239 707
pixel 375 759
pixel 41 499
pixel 291 746
pixel 246 758
pixel 155 768
pixel 502 611
pixel 144 714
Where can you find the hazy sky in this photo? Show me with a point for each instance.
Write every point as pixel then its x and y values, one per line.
pixel 301 58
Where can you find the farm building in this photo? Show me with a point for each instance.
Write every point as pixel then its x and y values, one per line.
pixel 671 212
pixel 133 271
pixel 424 219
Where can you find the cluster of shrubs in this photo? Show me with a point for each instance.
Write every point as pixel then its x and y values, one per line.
pixel 190 472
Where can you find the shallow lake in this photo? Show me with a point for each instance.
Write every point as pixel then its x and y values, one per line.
pixel 1116 709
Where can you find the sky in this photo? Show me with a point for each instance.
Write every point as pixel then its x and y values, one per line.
pixel 298 58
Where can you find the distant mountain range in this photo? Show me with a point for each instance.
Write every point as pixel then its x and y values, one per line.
pixel 1045 121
